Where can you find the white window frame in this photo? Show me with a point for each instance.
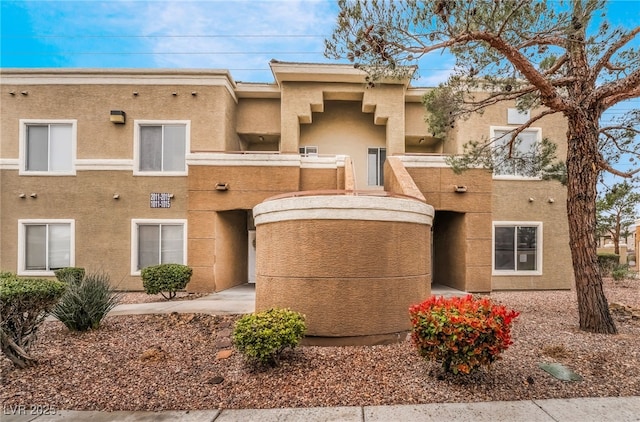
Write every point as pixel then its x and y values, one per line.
pixel 22 149
pixel 379 175
pixel 539 248
pixel 135 222
pixel 136 146
pixel 22 239
pixel 538 133
pixel 517 117
pixel 308 151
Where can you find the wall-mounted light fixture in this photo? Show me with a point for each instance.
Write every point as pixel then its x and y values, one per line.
pixel 175 94
pixel 459 189
pixel 116 196
pixel 194 93
pixel 261 138
pixel 170 196
pixel 222 186
pixel 12 92
pixel 135 93
pixel 118 117
pixel 34 195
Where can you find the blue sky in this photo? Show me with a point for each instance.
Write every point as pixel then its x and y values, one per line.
pixel 241 35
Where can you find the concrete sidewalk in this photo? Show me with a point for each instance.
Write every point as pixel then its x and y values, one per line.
pixel 615 409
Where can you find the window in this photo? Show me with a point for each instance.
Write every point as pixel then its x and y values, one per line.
pixel 45 246
pixel 520 163
pixel 375 159
pixel 308 151
pixel 160 148
pixel 47 147
pixel 517 248
pixel 157 242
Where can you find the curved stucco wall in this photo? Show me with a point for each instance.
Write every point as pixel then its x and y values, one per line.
pixel 352 264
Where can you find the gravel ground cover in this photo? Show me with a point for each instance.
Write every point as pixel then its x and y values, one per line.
pixel 184 361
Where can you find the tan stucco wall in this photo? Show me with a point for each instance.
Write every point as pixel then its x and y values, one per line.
pixel 437 186
pixel 231 249
pixel 359 280
pixel 90 105
pixel 102 224
pixel 259 116
pixel 344 129
pixel 319 179
pixel 511 202
pixel 477 127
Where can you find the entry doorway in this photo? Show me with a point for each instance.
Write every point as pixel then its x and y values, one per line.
pixel 449 249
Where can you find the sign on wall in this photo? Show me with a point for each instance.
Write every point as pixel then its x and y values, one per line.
pixel 160 200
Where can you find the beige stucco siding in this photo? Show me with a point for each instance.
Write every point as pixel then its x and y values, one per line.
pixel 344 129
pixel 102 223
pixel 537 201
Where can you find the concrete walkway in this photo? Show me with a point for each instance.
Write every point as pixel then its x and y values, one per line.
pixel 236 300
pixel 616 409
pixel 241 299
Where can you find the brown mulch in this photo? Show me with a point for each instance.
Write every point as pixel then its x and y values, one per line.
pixel 182 361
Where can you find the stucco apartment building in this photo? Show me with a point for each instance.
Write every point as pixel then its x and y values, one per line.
pixel 115 170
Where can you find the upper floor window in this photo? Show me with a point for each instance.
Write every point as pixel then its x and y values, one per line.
pixel 375 172
pixel 515 160
pixel 45 246
pixel 160 147
pixel 47 147
pixel 308 151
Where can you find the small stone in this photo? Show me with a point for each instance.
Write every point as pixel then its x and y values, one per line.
pixel 215 380
pixel 225 324
pixel 224 354
pixel 560 371
pixel 154 353
pixel 224 333
pixel 223 343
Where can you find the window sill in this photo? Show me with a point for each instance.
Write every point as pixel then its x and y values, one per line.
pixel 516 273
pixel 160 173
pixel 509 177
pixel 35 273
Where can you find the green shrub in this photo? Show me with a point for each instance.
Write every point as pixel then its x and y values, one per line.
pixel 24 304
pixel 165 278
pixel 607 262
pixel 262 337
pixel 461 333
pixel 85 304
pixel 620 272
pixel 70 275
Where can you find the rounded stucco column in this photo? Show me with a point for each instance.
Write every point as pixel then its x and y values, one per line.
pixel 352 264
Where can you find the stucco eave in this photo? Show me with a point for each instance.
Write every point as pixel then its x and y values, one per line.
pixel 323 72
pixel 64 76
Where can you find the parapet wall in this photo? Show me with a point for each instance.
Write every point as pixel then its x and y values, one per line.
pixel 352 264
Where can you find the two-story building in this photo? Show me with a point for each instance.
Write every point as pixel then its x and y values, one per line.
pixel 116 170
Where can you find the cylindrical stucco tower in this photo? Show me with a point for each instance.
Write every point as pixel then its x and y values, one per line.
pixel 352 264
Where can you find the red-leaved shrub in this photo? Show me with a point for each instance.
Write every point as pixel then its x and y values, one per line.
pixel 461 333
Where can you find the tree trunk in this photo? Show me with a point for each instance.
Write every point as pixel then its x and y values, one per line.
pixel 582 176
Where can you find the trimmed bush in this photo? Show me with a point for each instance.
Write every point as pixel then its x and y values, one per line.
pixel 165 278
pixel 620 272
pixel 262 337
pixel 461 333
pixel 607 262
pixel 85 304
pixel 24 304
pixel 70 275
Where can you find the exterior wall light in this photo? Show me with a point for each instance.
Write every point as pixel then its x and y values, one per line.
pixel 459 189
pixel 118 117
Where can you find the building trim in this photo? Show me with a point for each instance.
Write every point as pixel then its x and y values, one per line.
pixel 343 207
pixel 9 164
pixel 110 164
pixel 222 159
